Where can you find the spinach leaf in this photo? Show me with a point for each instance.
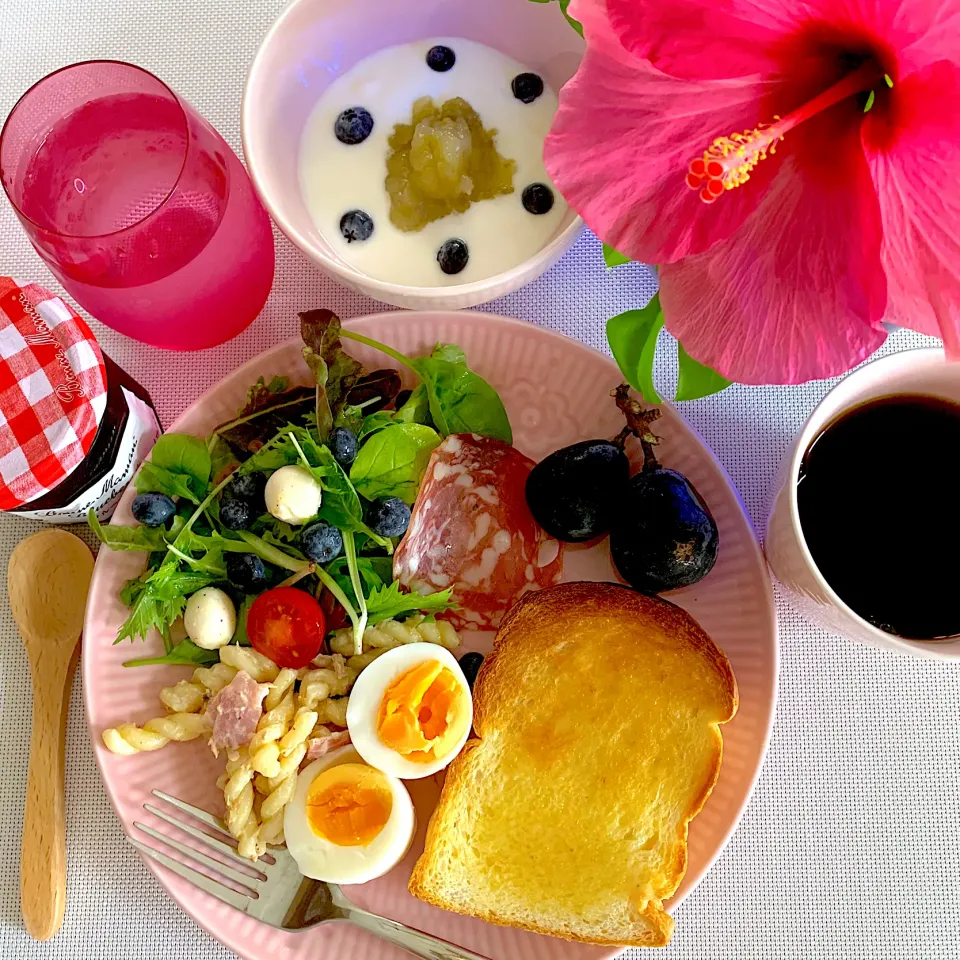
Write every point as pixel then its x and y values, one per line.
pixel 154 479
pixel 182 454
pixel 146 539
pixel 392 461
pixel 389 602
pixel 417 407
pixel 461 401
pixel 334 371
pixel 374 422
pixel 186 653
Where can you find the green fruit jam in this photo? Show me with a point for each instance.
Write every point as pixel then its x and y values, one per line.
pixel 441 162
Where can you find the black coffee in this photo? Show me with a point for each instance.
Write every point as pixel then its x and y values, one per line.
pixel 879 501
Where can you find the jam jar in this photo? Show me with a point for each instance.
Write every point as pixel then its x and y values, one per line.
pixel 73 425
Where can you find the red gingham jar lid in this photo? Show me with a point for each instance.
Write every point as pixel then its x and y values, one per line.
pixel 53 391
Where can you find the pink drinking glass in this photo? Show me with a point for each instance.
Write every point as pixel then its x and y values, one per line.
pixel 137 205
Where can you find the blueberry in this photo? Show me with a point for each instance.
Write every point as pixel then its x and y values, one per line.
pixel 537 198
pixel 321 542
pixel 353 125
pixel 343 443
pixel 236 514
pixel 153 509
pixel 453 256
pixel 390 517
pixel 246 571
pixel 526 87
pixel 470 665
pixel 440 58
pixel 356 225
pixel 249 487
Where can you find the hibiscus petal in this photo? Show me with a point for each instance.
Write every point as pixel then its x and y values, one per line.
pixel 913 150
pixel 707 39
pixel 798 293
pixel 624 137
pixel 926 31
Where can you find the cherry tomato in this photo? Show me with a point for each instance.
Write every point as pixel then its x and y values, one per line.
pixel 287 625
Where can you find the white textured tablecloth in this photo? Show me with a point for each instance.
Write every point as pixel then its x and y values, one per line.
pixel 850 847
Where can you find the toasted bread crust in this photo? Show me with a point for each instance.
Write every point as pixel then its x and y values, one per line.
pixel 501 673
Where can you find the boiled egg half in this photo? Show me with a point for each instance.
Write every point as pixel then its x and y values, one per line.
pixel 347 822
pixel 410 711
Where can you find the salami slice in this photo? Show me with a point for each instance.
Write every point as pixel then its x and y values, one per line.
pixel 471 530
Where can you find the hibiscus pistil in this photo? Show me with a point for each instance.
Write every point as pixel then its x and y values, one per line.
pixel 728 161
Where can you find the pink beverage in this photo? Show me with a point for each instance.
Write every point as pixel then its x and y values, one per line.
pixel 138 206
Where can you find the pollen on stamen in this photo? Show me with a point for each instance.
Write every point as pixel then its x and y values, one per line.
pixel 727 162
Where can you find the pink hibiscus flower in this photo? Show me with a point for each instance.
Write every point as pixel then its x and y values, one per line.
pixel 821 220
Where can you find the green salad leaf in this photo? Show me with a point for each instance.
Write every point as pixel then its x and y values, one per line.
pixel 374 422
pixel 392 461
pixel 460 400
pixel 417 407
pixel 334 371
pixel 146 539
pixel 186 654
pixel 632 336
pixel 183 454
pixel 389 601
pixel 154 479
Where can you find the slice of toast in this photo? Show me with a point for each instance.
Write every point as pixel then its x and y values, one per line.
pixel 597 719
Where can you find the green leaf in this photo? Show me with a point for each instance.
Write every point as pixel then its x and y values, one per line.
pixel 461 401
pixel 696 380
pixel 374 422
pixel 334 371
pixel 154 479
pixel 183 454
pixel 417 407
pixel 147 539
pixel 563 6
pixel 632 336
pixel 240 637
pixel 222 460
pixel 392 462
pixel 613 258
pixel 388 602
pixel 450 352
pixel 186 654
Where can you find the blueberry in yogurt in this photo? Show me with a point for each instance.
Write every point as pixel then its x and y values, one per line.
pixel 526 87
pixel 537 198
pixel 453 255
pixel 353 126
pixel 356 225
pixel 441 58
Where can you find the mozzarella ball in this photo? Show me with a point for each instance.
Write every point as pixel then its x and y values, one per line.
pixel 210 618
pixel 293 495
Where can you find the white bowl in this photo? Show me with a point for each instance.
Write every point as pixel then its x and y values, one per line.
pixel 313 41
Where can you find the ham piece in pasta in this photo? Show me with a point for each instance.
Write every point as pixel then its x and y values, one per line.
pixel 235 712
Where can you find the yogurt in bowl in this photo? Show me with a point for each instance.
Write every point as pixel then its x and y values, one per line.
pixel 313 44
pixel 353 130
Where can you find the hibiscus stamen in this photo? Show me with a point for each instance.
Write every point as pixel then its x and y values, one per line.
pixel 726 164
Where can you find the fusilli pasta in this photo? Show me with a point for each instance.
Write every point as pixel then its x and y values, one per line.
pixel 128 738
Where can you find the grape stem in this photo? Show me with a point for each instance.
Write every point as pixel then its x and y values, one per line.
pixel 639 423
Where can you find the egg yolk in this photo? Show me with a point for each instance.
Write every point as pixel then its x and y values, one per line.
pixel 349 804
pixel 423 713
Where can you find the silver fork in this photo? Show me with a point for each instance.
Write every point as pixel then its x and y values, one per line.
pixel 273 890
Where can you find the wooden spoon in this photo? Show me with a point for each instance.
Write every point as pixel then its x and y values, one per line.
pixel 47 579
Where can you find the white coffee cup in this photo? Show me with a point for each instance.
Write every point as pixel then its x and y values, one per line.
pixel 923 371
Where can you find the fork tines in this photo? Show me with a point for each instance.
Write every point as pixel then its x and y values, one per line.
pixel 220 878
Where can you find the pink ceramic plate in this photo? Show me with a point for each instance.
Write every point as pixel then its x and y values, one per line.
pixel 556 392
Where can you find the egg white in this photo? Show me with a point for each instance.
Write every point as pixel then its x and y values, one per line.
pixel 320 859
pixel 364 705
